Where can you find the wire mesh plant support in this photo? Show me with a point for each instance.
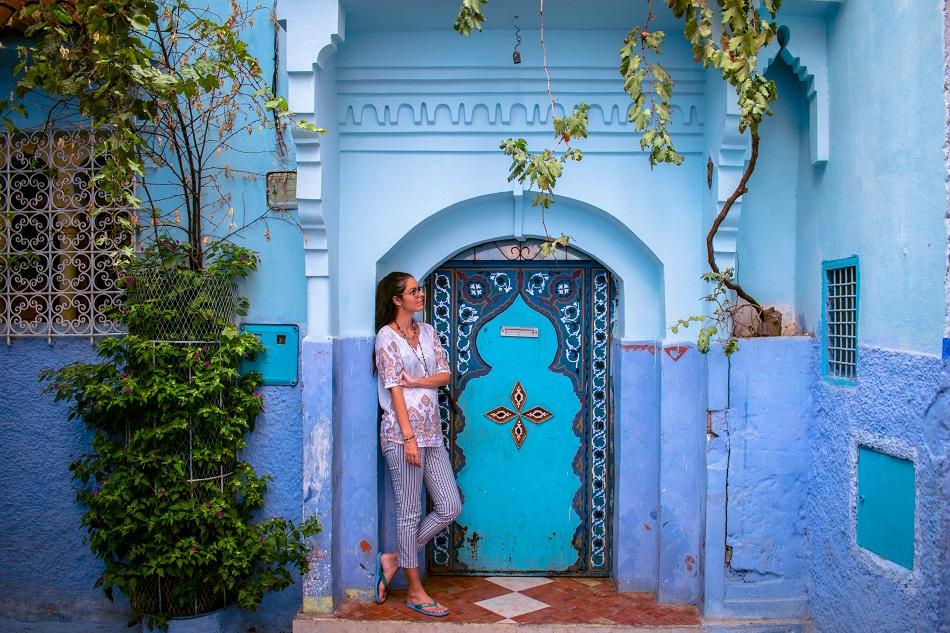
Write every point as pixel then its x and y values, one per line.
pixel 156 598
pixel 186 310
pixel 206 479
pixel 188 307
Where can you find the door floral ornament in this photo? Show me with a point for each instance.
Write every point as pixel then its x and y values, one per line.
pixel 503 414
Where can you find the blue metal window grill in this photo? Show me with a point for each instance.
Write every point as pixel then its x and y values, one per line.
pixel 840 320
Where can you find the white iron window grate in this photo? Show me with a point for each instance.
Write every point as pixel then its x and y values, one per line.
pixel 57 233
pixel 841 319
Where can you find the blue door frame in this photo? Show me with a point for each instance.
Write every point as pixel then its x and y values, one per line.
pixel 571 306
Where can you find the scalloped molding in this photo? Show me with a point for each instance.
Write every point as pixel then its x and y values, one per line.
pixel 464 109
pixel 314 31
pixel 806 52
pixel 395 110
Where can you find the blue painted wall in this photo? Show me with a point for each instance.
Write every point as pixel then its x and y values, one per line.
pixel 316 366
pixel 882 195
pixel 356 528
pixel 274 448
pixel 682 473
pixel 885 175
pixel 766 249
pixel 278 290
pixel 906 417
pixel 409 118
pixel 40 522
pixel 761 520
pixel 47 570
pixel 635 371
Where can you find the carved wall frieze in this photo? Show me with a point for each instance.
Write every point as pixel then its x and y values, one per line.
pixel 387 100
pixel 533 111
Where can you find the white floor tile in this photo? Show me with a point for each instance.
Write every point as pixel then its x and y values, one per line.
pixel 511 605
pixel 519 583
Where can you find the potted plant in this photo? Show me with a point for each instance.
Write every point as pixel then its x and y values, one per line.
pixel 169 503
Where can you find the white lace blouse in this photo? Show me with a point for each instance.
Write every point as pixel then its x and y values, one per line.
pixel 393 357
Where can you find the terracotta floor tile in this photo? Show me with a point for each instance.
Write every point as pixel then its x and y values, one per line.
pixel 571 600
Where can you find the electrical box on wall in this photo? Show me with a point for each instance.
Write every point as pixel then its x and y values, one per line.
pixel 886 506
pixel 277 363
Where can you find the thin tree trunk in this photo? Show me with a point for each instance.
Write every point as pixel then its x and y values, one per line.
pixel 740 189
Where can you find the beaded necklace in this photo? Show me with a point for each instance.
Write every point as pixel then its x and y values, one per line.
pixel 419 354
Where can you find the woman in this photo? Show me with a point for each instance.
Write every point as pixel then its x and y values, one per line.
pixel 411 366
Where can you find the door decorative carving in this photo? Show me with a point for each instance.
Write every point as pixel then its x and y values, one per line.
pixel 528 343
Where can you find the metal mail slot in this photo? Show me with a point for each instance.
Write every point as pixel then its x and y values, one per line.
pixel 519 331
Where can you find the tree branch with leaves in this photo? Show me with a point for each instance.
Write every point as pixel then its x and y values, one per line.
pixel 169 88
pixel 726 35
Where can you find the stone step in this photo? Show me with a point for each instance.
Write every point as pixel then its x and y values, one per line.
pixel 305 623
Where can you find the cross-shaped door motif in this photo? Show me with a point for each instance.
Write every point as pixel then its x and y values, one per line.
pixel 503 414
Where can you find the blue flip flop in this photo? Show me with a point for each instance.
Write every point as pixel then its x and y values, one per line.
pixel 380 578
pixel 421 608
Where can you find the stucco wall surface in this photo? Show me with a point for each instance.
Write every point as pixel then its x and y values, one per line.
pixel 766 252
pixel 419 133
pixel 46 569
pixel 275 449
pixel 882 195
pixel 767 460
pixel 894 408
pixel 47 572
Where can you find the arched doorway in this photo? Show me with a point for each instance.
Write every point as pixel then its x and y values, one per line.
pixel 528 337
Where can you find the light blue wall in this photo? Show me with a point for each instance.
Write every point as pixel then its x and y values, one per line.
pixel 882 195
pixel 766 250
pixel 278 290
pixel 419 133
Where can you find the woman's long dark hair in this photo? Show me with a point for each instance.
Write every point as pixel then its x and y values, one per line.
pixel 392 285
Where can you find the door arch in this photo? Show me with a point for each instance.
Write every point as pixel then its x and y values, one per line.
pixel 637 272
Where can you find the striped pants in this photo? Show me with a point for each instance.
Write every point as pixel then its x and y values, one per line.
pixel 435 469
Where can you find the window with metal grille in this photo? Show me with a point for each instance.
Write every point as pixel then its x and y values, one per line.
pixel 840 322
pixel 58 231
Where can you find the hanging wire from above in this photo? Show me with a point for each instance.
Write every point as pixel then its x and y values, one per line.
pixel 516 55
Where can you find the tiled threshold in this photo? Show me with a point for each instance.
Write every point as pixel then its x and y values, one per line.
pixel 538 605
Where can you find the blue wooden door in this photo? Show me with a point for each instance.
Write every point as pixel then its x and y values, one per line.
pixel 529 348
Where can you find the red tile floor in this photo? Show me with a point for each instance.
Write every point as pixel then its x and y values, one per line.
pixel 527 600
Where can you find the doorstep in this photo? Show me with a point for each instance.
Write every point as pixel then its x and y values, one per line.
pixel 528 604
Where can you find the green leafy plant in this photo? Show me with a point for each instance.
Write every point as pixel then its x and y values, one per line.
pixel 718 325
pixel 172 88
pixel 170 507
pixel 744 28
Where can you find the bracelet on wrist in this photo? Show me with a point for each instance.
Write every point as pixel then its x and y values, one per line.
pixel 406 439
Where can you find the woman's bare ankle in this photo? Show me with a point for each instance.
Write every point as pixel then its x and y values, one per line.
pixel 419 597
